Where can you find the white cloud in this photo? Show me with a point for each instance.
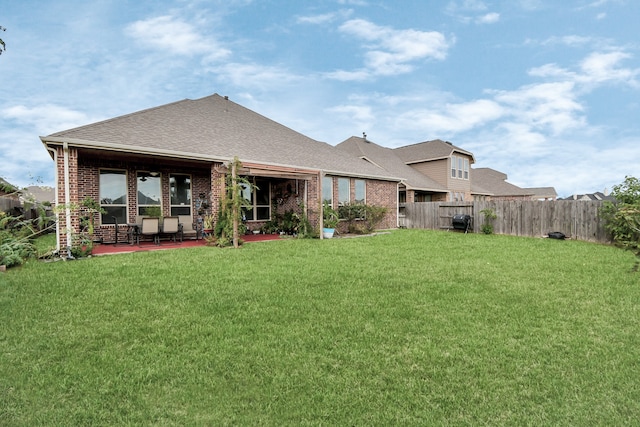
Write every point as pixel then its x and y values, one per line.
pixel 468 11
pixel 603 67
pixel 596 69
pixel 390 51
pixel 451 118
pixel 19 140
pixel 455 7
pixel 169 33
pixel 46 119
pixel 574 41
pixel 489 18
pixel 354 2
pixel 255 76
pixel 324 18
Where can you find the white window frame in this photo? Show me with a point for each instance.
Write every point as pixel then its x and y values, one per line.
pixel 107 217
pixel 253 198
pixel 454 163
pixel 363 184
pixel 327 189
pixel 147 175
pixel 344 184
pixel 173 206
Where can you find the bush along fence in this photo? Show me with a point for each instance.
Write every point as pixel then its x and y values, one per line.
pixel 577 219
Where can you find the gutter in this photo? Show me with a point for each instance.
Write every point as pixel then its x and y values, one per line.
pixel 67 197
pixel 54 153
pixel 96 145
pixel 321 219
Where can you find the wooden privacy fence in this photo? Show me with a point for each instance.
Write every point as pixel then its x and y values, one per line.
pixel 577 219
pixel 8 203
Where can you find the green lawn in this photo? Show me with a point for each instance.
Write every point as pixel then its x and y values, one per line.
pixel 409 328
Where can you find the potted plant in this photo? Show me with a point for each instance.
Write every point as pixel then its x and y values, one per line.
pixel 208 223
pixel 330 221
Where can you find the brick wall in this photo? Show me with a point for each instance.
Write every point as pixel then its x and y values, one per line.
pixel 378 193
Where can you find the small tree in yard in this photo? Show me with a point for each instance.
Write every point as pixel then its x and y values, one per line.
pixel 230 225
pixel 623 217
pixel 489 217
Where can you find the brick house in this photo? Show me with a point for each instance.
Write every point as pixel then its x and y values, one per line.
pixel 174 157
pixel 432 171
pixel 438 171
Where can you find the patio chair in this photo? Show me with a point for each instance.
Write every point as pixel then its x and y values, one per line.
pixel 171 227
pixel 125 233
pixel 188 228
pixel 150 227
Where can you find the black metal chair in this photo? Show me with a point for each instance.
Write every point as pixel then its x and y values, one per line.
pixel 127 232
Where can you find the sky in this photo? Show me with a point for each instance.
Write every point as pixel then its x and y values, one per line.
pixel 545 91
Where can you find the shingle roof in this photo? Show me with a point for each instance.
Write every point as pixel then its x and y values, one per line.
pixel 429 150
pixel 590 196
pixel 215 128
pixel 543 192
pixel 388 159
pixel 493 182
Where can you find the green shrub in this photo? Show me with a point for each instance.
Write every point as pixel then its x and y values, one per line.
pixel 623 217
pixel 489 217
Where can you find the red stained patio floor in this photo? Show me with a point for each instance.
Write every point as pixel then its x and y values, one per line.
pixel 107 248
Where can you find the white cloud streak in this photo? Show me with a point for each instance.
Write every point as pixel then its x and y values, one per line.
pixel 390 51
pixel 169 33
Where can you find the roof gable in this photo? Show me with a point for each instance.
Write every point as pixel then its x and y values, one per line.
pixel 429 151
pixel 387 159
pixel 493 182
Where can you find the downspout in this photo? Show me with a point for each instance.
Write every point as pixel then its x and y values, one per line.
pixel 398 205
pixel 67 197
pixel 321 219
pixel 55 162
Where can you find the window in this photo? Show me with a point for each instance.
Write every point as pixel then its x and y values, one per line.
pixel 343 191
pixel 259 199
pixel 149 192
pixel 327 190
pixel 180 194
pixel 360 191
pixel 113 196
pixel 459 167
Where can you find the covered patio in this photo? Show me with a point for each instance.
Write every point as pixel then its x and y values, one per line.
pixel 121 248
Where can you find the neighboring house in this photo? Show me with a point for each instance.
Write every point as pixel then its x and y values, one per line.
pixel 9 198
pixel 414 187
pixel 492 184
pixel 174 156
pixel 40 194
pixel 591 196
pixel 543 193
pixel 437 170
pixel 444 163
pixel 8 190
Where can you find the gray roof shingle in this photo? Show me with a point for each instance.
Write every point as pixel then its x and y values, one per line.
pixel 388 159
pixel 429 150
pixel 493 182
pixel 215 128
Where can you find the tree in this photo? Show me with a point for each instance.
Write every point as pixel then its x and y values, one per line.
pixel 623 217
pixel 2 45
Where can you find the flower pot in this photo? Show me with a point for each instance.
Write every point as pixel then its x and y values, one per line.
pixel 327 233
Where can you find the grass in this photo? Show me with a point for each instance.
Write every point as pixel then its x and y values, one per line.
pixel 413 328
